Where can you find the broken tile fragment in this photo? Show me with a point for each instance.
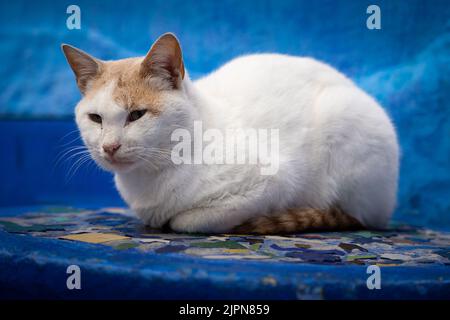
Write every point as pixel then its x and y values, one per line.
pixel 94 237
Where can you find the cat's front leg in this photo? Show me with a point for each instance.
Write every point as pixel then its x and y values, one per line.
pixel 225 214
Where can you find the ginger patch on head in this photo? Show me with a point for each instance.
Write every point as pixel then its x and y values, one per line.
pixel 139 80
pixel 131 91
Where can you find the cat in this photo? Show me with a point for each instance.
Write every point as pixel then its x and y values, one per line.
pixel 338 151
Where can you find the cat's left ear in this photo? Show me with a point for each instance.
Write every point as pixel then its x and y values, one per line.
pixel 164 61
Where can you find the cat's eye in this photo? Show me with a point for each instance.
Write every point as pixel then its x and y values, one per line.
pixel 95 117
pixel 136 114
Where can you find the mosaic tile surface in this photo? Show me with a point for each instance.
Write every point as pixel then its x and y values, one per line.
pixel 116 228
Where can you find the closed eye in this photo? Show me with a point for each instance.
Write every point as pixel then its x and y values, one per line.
pixel 136 114
pixel 95 117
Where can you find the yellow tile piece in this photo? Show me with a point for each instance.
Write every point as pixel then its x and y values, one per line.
pixel 387 264
pixel 94 237
pixel 236 250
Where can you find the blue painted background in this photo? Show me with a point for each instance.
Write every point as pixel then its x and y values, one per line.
pixel 405 65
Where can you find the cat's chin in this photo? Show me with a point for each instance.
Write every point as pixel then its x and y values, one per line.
pixel 118 166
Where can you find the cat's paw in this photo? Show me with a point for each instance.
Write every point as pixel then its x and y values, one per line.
pixel 185 223
pixel 197 221
pixel 151 219
pixel 188 223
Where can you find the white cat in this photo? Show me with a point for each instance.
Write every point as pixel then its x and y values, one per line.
pixel 338 151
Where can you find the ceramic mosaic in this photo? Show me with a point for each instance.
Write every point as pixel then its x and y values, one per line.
pixel 116 228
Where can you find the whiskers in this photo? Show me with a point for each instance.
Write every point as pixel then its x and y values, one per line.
pixel 73 157
pixel 77 156
pixel 151 156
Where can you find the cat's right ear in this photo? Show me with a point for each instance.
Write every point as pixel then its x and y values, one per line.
pixel 84 66
pixel 164 61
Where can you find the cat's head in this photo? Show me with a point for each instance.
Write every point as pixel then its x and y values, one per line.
pixel 130 107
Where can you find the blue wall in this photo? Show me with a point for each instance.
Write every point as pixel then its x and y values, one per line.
pixel 405 65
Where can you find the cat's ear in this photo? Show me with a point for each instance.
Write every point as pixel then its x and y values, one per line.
pixel 165 61
pixel 84 66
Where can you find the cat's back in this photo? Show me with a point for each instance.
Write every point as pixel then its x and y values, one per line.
pixel 269 90
pixel 251 75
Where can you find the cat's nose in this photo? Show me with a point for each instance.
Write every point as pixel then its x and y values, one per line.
pixel 110 149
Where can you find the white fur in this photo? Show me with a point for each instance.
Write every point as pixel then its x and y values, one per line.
pixel 337 146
